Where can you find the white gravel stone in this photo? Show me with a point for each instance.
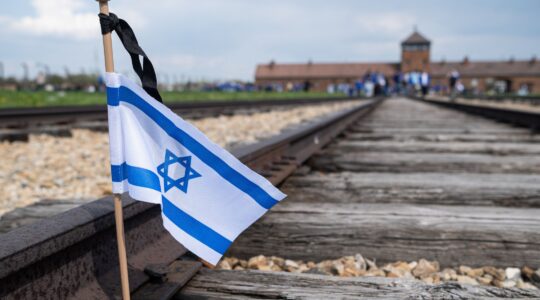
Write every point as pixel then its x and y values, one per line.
pixel 512 273
pixel 77 167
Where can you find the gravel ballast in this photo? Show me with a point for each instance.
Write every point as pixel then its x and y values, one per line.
pixel 77 167
pixel 424 270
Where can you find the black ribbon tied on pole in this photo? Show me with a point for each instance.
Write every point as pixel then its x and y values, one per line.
pixel 146 73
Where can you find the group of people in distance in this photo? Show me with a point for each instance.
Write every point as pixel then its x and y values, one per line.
pixel 376 83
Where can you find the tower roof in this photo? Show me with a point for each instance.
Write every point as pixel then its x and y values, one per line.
pixel 416 38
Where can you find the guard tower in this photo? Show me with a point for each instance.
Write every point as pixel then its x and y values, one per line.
pixel 415 53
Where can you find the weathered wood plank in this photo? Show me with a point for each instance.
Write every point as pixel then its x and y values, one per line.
pixel 498 149
pixel 407 120
pixel 381 128
pixel 453 235
pixel 403 113
pixel 422 122
pixel 518 190
pixel 221 284
pixel 438 137
pixel 337 160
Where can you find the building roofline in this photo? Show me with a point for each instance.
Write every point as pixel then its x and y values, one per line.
pixel 415 38
pixel 331 63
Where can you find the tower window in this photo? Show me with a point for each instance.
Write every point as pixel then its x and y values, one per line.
pixel 416 47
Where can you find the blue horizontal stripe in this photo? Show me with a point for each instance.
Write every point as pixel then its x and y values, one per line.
pixel 195 228
pixel 135 176
pixel 213 161
pixel 112 96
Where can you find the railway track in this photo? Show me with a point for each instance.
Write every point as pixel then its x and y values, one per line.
pixel 74 253
pixel 403 180
pixel 19 117
pixel 409 181
pixel 17 123
pixel 531 100
pixel 528 119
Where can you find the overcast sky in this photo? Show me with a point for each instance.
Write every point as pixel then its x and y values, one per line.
pixel 225 39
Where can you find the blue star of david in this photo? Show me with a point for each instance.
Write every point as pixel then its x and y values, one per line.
pixel 182 182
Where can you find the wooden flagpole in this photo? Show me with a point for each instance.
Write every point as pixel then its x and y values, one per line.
pixel 107 39
pixel 118 214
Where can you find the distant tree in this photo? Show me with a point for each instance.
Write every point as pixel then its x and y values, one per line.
pixel 55 79
pixel 80 81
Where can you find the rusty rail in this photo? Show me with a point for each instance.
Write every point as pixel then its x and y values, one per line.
pixel 519 118
pixel 532 100
pixel 24 117
pixel 74 253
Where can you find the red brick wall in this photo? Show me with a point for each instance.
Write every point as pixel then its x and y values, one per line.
pixel 317 85
pixel 517 82
pixel 415 61
pixel 533 82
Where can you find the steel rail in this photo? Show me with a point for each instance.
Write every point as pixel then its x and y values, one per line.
pixel 519 118
pixel 73 254
pixel 24 117
pixel 533 100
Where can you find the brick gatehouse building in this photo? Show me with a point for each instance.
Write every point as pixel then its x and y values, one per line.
pixel 483 76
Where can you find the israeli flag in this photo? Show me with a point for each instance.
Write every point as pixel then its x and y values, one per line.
pixel 207 196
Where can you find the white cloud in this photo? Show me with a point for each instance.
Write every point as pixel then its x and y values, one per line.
pixel 60 18
pixel 226 39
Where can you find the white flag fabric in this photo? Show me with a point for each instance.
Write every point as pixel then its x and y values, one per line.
pixel 208 197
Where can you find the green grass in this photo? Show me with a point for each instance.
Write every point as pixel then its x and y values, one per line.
pixel 40 99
